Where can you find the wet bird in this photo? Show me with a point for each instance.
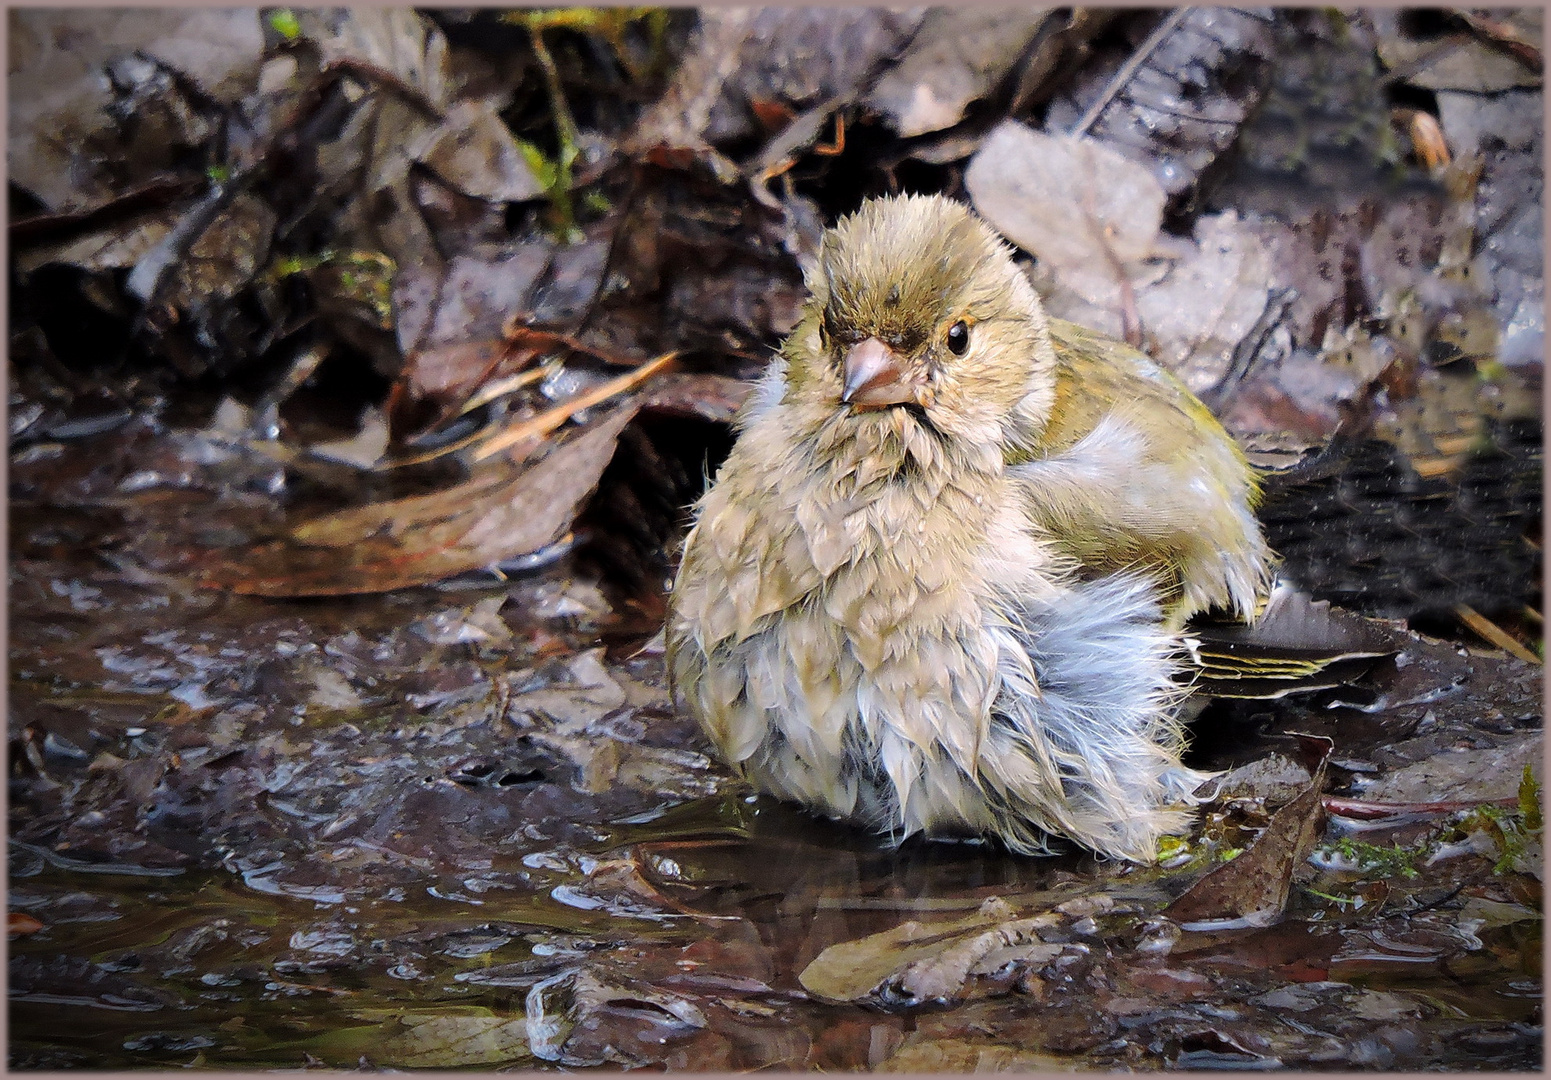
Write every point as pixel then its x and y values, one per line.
pixel 937 583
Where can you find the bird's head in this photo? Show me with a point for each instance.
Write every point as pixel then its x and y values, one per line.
pixel 918 306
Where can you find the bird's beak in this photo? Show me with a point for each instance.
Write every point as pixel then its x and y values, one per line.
pixel 875 377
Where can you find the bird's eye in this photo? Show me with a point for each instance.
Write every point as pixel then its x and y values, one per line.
pixel 958 338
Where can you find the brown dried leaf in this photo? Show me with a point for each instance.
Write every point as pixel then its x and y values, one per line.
pixel 1252 890
pixel 916 961
pixel 503 511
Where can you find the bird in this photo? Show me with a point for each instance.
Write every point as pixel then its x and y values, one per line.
pixel 937 584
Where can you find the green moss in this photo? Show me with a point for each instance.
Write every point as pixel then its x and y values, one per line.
pixel 611 25
pixel 1511 829
pixel 1373 860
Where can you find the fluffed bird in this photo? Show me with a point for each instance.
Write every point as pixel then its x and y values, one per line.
pixel 935 585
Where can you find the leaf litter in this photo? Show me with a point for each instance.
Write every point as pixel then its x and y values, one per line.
pixel 447 814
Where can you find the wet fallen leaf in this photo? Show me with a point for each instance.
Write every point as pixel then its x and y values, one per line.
pixel 451 1037
pixel 58 107
pixel 706 397
pixel 1252 889
pixel 455 367
pixel 115 246
pixel 1207 302
pixel 791 58
pixel 1461 775
pixel 560 1004
pixel 20 924
pixel 1177 101
pixel 1461 63
pixel 1275 779
pixel 363 449
pixel 505 510
pixel 919 962
pixel 1495 913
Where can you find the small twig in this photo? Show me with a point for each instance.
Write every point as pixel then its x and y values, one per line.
pixel 1494 633
pixel 1505 37
pixel 499 388
pixel 1130 318
pixel 412 96
pixel 1123 76
pixel 1248 350
pixel 782 151
pixel 548 421
pixel 1366 810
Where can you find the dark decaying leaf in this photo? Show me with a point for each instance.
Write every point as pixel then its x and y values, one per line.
pixel 1252 889
pixel 476 153
pixel 793 58
pixel 503 511
pixel 583 998
pixel 1177 102
pixel 65 146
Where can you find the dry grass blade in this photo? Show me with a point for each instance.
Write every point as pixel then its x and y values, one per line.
pixel 1494 633
pixel 485 395
pixel 501 387
pixel 548 421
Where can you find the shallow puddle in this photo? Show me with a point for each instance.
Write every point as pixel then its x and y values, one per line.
pixel 464 827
